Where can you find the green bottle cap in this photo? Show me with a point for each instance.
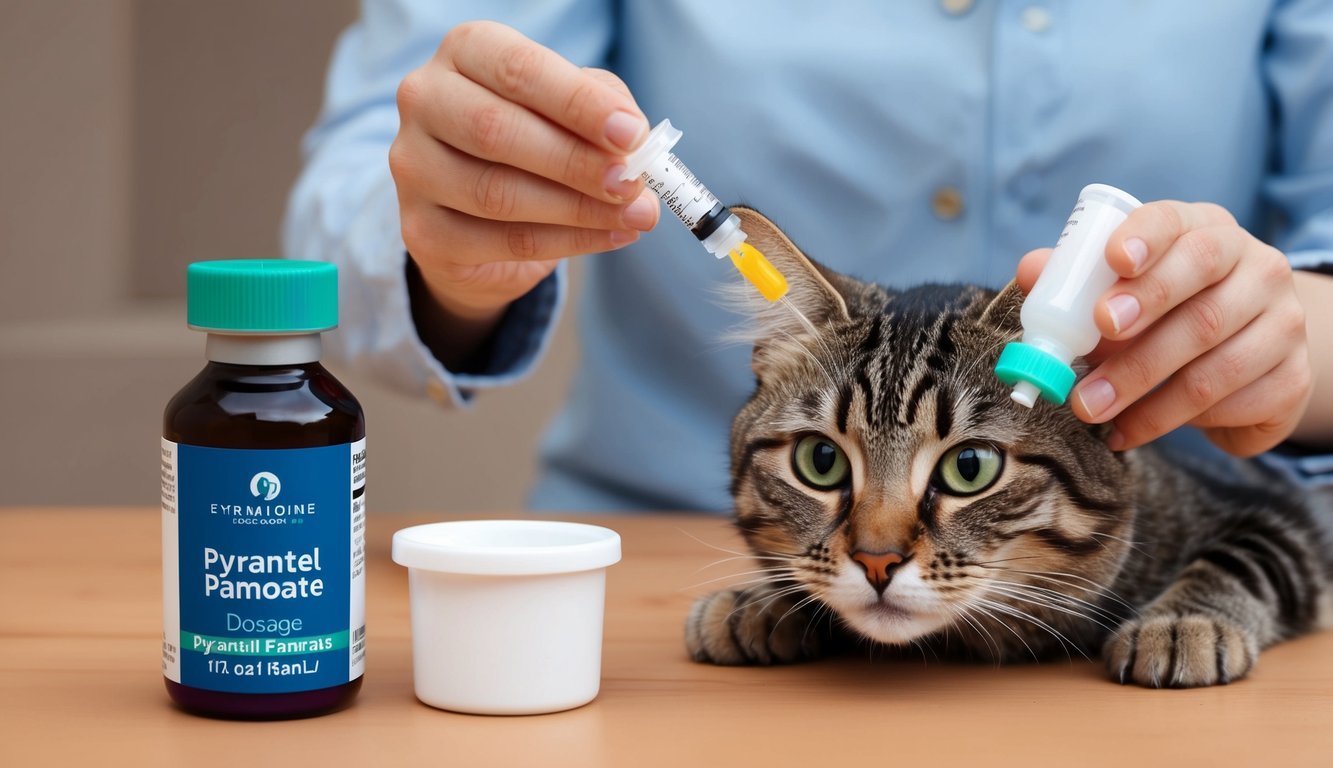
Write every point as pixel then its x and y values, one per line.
pixel 1024 362
pixel 262 296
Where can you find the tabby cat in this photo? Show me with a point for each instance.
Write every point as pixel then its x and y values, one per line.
pixel 891 492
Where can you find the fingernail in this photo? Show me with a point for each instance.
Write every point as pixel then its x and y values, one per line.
pixel 1115 441
pixel 615 187
pixel 1137 250
pixel 1124 311
pixel 1096 396
pixel 622 237
pixel 623 129
pixel 640 214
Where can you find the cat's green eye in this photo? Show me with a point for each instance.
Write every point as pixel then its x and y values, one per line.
pixel 820 463
pixel 969 468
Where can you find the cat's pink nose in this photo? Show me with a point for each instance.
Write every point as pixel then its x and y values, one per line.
pixel 879 567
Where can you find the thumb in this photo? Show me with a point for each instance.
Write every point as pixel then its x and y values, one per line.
pixel 1030 266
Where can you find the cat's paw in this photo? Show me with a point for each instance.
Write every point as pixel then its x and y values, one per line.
pixel 749 627
pixel 1173 651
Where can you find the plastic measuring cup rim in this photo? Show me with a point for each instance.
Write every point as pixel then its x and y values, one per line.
pixel 506 547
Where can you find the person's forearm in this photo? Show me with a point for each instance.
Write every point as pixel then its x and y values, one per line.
pixel 1316 296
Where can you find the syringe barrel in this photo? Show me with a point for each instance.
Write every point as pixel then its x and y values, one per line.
pixel 679 189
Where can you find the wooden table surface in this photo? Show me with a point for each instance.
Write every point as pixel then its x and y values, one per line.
pixel 80 682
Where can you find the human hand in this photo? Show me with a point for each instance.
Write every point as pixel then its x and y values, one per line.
pixel 1203 328
pixel 507 160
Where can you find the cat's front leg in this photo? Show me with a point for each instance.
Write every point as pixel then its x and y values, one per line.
pixel 758 625
pixel 1208 627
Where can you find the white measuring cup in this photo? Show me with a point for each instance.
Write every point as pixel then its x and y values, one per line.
pixel 506 614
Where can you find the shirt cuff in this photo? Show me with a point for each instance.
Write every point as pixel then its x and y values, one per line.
pixel 1307 471
pixel 518 345
pixel 1312 261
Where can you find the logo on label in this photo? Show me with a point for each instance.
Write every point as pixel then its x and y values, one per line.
pixel 265 484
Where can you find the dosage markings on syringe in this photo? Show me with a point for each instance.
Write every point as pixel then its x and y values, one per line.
pixel 687 209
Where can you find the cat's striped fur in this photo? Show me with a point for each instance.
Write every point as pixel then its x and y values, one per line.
pixel 1177 574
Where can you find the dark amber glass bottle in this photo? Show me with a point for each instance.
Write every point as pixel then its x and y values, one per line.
pixel 263 503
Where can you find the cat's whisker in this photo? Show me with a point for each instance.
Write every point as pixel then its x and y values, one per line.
pixel 821 609
pixel 973 604
pixel 726 560
pixel 1069 600
pixel 762 575
pixel 1050 591
pixel 923 646
pixel 1044 602
pixel 985 634
pixel 988 563
pixel 1092 586
pixel 1019 613
pixel 1134 545
pixel 768 598
pixel 990 614
pixel 796 607
pixel 719 548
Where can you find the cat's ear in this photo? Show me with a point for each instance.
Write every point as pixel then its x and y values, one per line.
pixel 811 287
pixel 1002 313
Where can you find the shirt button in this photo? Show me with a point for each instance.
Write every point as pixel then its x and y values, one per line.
pixel 947 203
pixel 956 7
pixel 1035 19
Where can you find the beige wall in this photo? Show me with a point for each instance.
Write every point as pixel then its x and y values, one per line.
pixel 140 135
pixel 65 134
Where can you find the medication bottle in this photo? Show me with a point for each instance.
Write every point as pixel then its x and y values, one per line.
pixel 263 502
pixel 1058 324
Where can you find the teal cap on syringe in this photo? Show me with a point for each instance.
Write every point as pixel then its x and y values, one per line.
pixel 1058 325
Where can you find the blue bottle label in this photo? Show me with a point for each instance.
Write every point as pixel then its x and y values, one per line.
pixel 263 567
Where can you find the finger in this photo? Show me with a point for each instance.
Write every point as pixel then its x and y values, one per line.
pixel 1263 414
pixel 1030 267
pixel 611 79
pixel 1149 231
pixel 1183 335
pixel 1197 259
pixel 453 179
pixel 1202 384
pixel 1104 350
pixel 520 70
pixel 466 116
pixel 436 235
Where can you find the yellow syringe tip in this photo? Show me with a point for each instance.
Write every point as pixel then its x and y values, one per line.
pixel 759 271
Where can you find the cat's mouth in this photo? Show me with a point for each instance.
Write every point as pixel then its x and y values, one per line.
pixel 882 608
pixel 890 621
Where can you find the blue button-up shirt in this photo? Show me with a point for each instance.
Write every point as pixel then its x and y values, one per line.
pixel 899 142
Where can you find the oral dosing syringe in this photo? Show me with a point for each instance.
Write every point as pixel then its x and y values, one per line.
pixel 699 210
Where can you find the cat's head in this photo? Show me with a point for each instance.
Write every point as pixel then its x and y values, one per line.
pixel 884 467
